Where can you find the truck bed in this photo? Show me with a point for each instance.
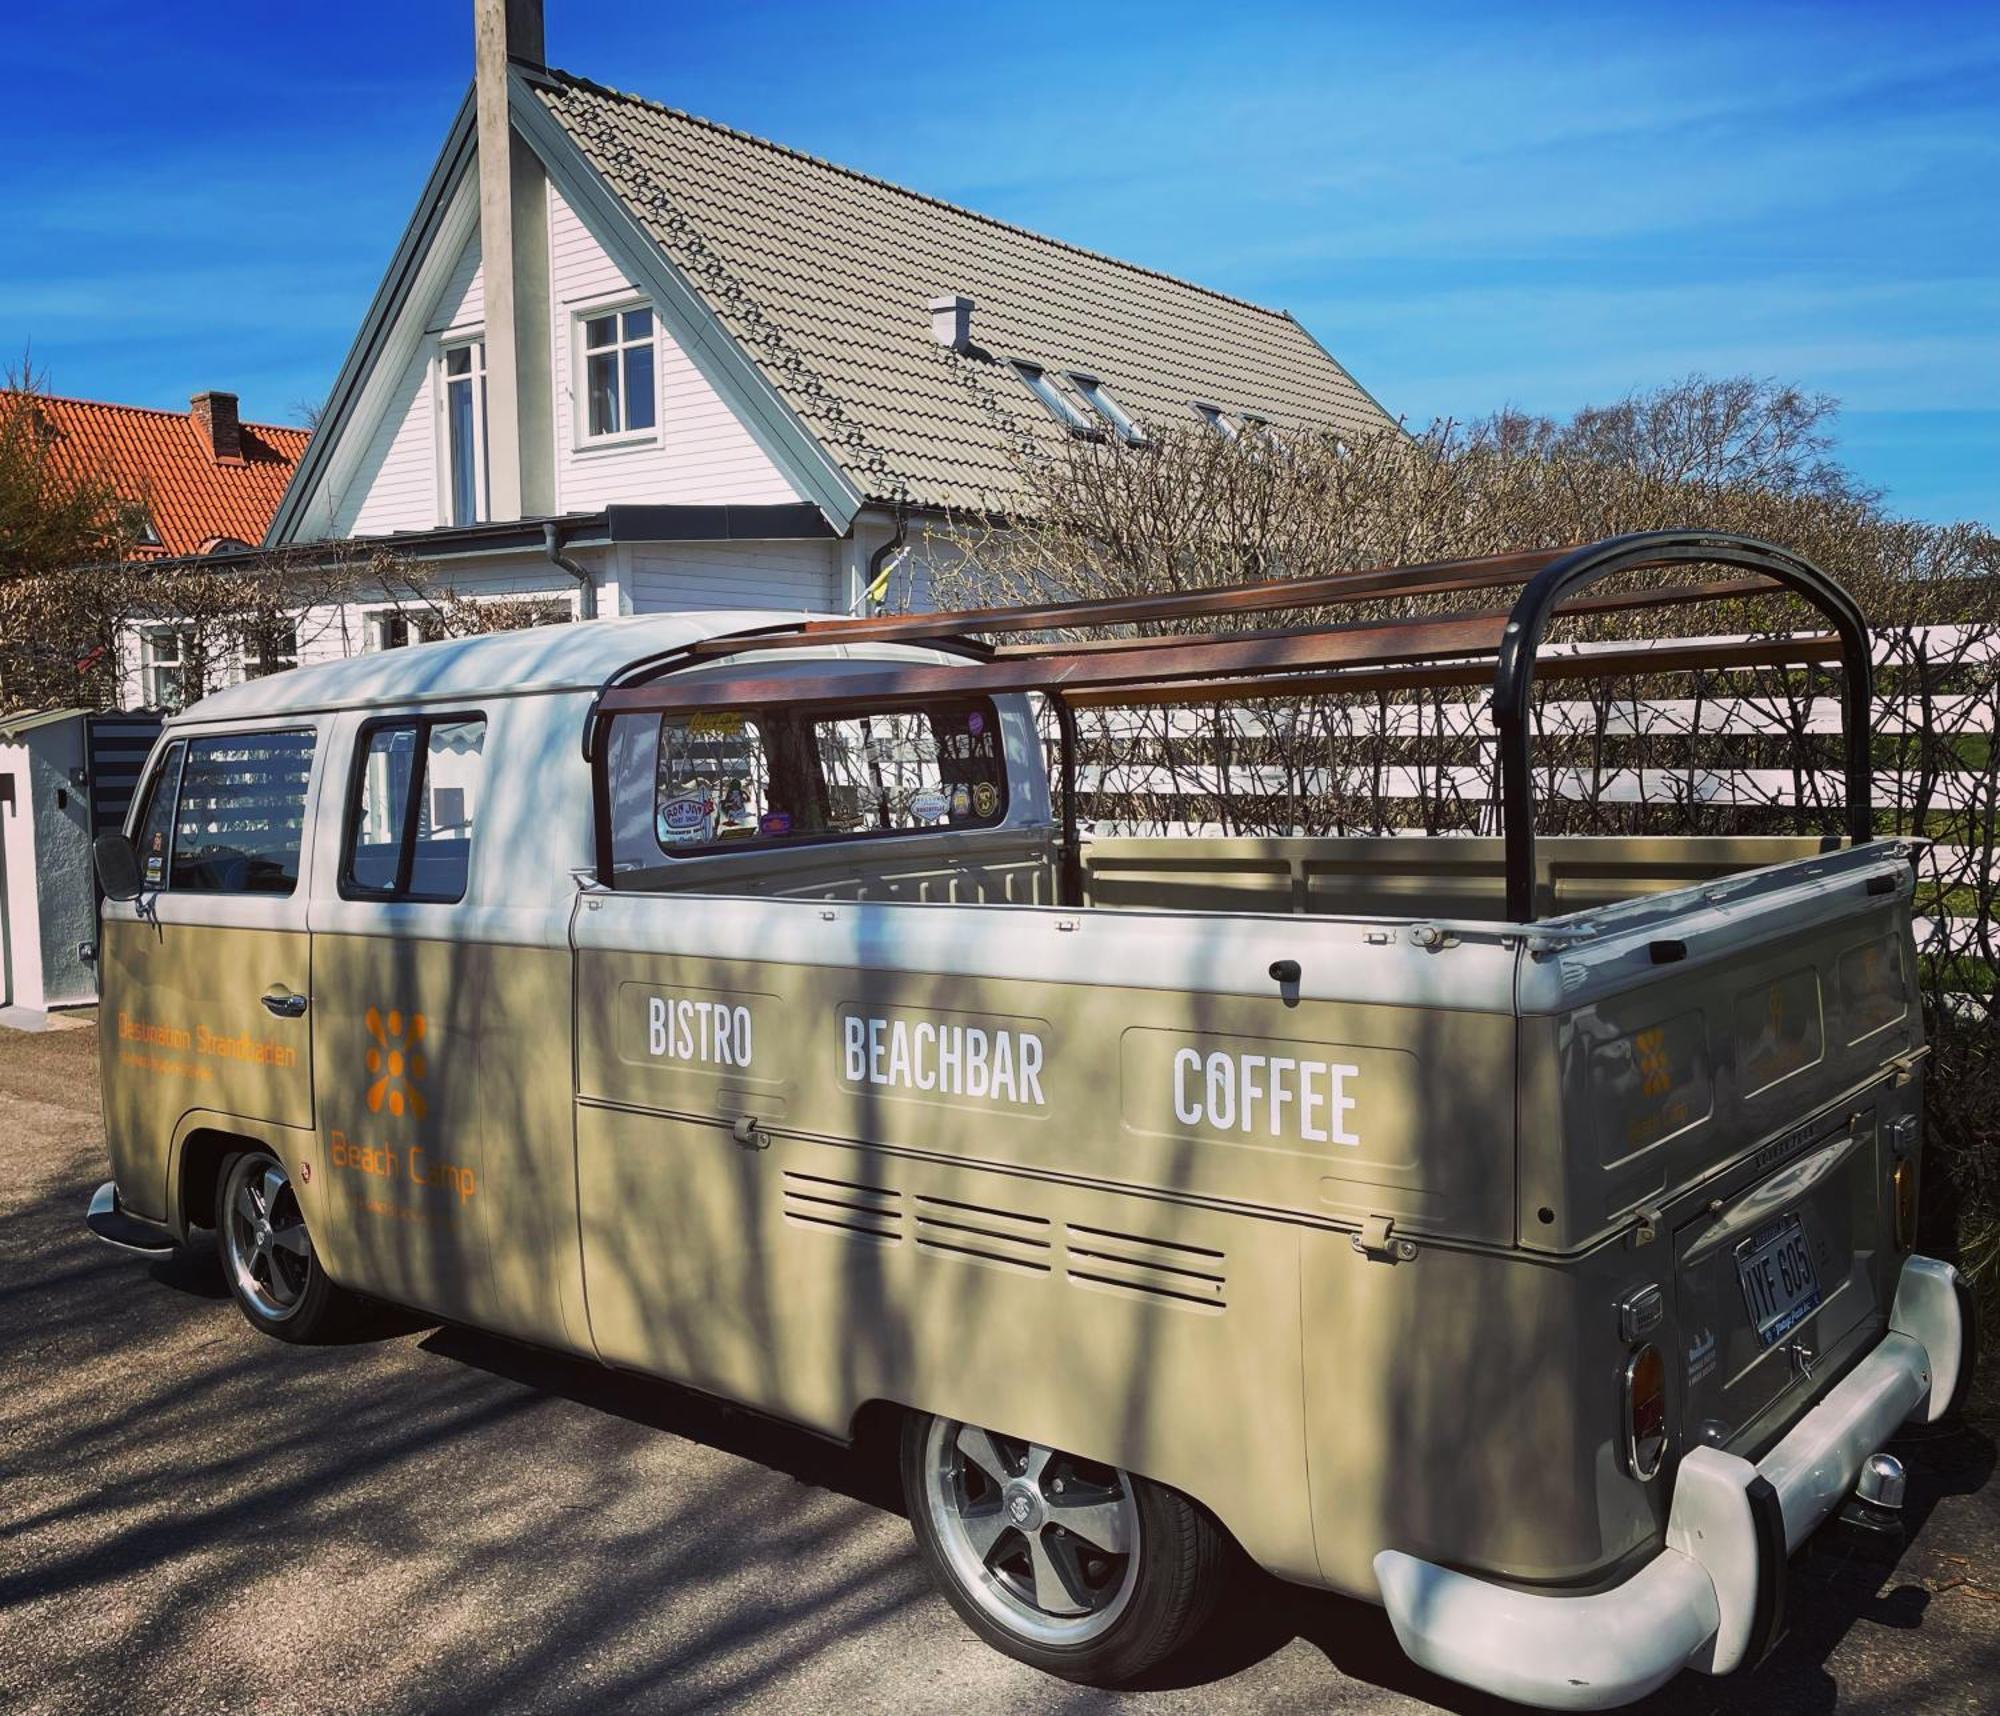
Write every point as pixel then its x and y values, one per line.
pixel 1393 877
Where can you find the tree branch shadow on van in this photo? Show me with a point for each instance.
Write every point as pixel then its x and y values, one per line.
pixel 1833 1583
pixel 194 1267
pixel 864 1471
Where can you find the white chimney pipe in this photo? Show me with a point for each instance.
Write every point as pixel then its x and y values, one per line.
pixel 513 250
pixel 951 322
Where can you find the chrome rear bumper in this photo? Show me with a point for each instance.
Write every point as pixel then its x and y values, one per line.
pixel 1713 1598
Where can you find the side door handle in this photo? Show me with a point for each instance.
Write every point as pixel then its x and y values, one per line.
pixel 284 1003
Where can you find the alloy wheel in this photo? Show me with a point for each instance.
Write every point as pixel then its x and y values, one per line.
pixel 1046 1544
pixel 264 1238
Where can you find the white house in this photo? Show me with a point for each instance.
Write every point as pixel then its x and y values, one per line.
pixel 625 359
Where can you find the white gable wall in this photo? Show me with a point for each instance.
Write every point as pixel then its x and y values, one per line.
pixel 700 454
pixel 398 485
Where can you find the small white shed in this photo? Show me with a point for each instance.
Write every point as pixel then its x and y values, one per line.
pixel 66 775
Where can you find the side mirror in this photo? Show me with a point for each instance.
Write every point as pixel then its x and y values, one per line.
pixel 117 867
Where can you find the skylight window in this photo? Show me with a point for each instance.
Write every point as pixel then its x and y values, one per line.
pixel 1216 418
pixel 1060 406
pixel 1253 423
pixel 1109 409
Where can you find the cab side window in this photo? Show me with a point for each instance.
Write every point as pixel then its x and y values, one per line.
pixel 417 788
pixel 239 821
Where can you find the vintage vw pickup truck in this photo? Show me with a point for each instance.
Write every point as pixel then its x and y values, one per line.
pixel 1516 1233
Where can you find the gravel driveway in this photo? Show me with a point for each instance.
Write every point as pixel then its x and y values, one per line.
pixel 195 1518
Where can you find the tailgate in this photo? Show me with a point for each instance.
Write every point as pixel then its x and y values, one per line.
pixel 1782 1279
pixel 1676 1050
pixel 1720 1081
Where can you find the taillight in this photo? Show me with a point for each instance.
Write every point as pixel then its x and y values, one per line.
pixel 1904 1183
pixel 1645 1412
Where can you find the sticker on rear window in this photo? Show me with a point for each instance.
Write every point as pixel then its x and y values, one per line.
pixel 1649 1085
pixel 687 818
pixel 1778 1030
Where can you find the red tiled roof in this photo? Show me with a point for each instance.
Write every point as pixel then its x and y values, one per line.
pixel 162 460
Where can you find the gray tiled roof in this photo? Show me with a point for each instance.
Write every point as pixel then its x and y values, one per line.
pixel 823 276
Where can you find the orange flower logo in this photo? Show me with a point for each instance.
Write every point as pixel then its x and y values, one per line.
pixel 396 1063
pixel 1656 1072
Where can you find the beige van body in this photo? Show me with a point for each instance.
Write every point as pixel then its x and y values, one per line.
pixel 1356 1259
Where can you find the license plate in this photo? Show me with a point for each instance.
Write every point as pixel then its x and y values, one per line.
pixel 1779 1287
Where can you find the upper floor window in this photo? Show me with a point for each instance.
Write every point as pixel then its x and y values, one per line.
pixel 618 373
pixel 465 430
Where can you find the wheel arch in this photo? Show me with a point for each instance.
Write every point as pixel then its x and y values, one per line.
pixel 874 1430
pixel 205 1140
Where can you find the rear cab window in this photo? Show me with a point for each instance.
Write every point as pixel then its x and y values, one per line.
pixel 225 814
pixel 416 791
pixel 709 781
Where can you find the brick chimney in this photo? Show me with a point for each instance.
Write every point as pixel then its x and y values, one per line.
pixel 215 420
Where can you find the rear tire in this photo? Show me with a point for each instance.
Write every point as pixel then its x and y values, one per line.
pixel 268 1257
pixel 1075 1568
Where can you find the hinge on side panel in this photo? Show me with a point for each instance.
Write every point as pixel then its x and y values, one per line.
pixel 749 1134
pixel 1646 1227
pixel 1374 1241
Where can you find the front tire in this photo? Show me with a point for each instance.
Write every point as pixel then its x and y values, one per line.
pixel 267 1255
pixel 1079 1569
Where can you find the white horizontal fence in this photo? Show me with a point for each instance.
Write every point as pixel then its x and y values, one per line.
pixel 1760 755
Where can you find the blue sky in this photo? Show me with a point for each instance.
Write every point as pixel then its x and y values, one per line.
pixel 1471 206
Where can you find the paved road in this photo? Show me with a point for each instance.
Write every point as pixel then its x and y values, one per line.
pixel 196 1518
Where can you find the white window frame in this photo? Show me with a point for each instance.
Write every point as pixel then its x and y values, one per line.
pixel 250 665
pixel 581 316
pixel 1098 397
pixel 376 618
pixel 152 664
pixel 1044 386
pixel 473 340
pixel 375 621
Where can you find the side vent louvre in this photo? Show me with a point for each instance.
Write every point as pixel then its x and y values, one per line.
pixel 1191 1277
pixel 814 1200
pixel 975 1233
